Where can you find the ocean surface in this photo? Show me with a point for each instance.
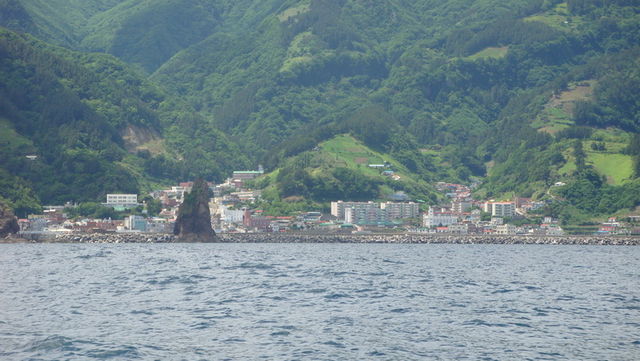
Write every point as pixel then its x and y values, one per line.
pixel 318 302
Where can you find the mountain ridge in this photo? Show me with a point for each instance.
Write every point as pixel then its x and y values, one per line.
pixel 280 77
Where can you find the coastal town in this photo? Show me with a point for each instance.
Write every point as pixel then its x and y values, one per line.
pixel 233 211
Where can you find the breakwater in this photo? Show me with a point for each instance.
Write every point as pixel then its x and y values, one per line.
pixel 346 238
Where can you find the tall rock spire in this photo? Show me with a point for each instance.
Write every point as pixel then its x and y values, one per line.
pixel 194 219
pixel 8 222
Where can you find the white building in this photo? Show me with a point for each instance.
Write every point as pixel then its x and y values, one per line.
pixel 440 217
pixel 135 223
pixel 338 208
pixel 398 210
pixel 459 228
pixel 500 209
pixel 179 191
pixel 122 200
pixel 231 215
pixel 554 231
pixel 369 212
pixel 247 196
pixel 365 215
pixel 506 229
pixel 461 206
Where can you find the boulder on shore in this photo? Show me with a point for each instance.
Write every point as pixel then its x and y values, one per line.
pixel 8 221
pixel 194 219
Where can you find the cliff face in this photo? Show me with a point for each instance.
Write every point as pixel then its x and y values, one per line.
pixel 8 221
pixel 194 220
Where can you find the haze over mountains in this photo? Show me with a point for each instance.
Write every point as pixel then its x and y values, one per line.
pixel 121 95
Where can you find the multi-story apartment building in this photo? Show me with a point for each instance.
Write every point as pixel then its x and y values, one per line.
pixel 500 209
pixel 461 206
pixel 338 208
pixel 362 215
pixel 400 210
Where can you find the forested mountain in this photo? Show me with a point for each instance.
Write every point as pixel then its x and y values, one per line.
pixel 94 126
pixel 520 93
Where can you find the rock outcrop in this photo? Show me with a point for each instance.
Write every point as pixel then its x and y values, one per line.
pixel 194 219
pixel 8 221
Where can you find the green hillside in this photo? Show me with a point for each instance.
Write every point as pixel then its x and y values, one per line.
pixel 342 167
pixel 94 127
pixel 443 88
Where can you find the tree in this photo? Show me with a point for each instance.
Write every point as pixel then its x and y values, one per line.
pixel 579 154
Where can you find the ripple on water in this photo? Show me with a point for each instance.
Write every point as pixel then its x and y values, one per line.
pixel 101 253
pixel 400 310
pixel 280 333
pixel 503 290
pixel 51 343
pixel 253 265
pixel 334 344
pixel 317 290
pixel 336 296
pixel 142 312
pixel 203 325
pixel 120 352
pixel 519 324
pixel 479 322
pixel 392 261
pixel 172 279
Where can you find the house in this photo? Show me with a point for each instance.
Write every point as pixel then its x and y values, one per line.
pixel 240 177
pixel 230 215
pixel 256 221
pixel 246 174
pixel 506 229
pixel 312 217
pixel 247 196
pixel 460 228
pixel 280 224
pixel 611 226
pixel 634 219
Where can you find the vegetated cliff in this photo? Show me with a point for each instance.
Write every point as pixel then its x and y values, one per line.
pixel 8 221
pixel 194 220
pixel 94 126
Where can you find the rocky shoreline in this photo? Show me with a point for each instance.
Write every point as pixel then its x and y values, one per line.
pixel 336 238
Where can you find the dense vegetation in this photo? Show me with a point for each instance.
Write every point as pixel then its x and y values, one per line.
pixel 445 90
pixel 70 111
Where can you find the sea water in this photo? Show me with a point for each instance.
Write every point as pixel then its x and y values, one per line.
pixel 318 302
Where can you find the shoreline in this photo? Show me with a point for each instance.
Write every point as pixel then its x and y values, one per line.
pixel 405 238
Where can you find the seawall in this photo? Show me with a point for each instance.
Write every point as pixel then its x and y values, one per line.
pixel 344 238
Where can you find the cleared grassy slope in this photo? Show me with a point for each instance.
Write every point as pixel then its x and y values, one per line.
pixel 611 162
pixel 490 52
